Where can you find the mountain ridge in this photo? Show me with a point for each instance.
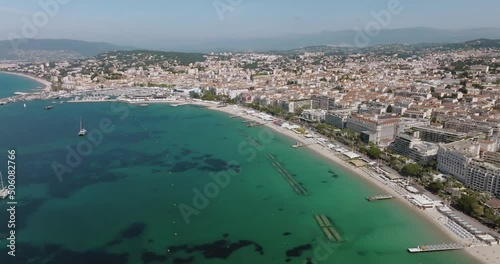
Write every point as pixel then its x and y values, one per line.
pixel 66 49
pixel 18 49
pixel 343 38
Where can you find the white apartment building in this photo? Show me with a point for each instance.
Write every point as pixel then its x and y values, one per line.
pixel 483 177
pixel 414 148
pixel 314 115
pixel 461 159
pixel 453 158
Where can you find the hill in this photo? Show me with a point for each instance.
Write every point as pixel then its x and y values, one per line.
pixel 149 57
pixel 345 38
pixel 401 50
pixel 53 49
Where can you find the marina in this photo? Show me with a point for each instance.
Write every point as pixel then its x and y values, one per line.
pixel 91 101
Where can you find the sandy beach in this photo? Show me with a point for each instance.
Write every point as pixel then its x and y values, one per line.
pixel 47 86
pixel 487 254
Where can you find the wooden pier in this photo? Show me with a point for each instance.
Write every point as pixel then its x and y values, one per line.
pixel 433 248
pixel 253 124
pixel 379 197
pixel 301 145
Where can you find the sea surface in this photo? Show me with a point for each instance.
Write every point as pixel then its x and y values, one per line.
pixel 163 184
pixel 9 84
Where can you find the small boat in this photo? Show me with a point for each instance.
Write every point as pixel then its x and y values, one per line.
pixel 83 131
pixel 24 105
pixel 48 107
pixel 4 192
pixel 179 104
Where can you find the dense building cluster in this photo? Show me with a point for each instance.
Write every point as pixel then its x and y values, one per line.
pixel 439 106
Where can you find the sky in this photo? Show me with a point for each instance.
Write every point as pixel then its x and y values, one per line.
pixel 128 22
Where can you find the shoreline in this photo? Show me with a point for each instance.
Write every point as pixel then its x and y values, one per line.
pixel 482 254
pixel 485 255
pixel 46 85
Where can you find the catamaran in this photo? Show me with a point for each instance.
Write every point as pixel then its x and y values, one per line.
pixel 83 131
pixel 4 192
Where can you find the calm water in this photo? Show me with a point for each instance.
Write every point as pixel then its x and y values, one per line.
pixel 9 84
pixel 121 203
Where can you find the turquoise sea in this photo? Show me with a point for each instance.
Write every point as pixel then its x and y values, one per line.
pixel 9 84
pixel 121 200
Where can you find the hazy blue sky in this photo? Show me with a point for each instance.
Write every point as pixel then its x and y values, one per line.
pixel 131 22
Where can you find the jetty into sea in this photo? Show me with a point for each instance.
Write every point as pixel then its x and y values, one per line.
pixel 328 229
pixel 253 124
pixel 251 140
pixel 379 197
pixel 433 248
pixel 300 145
pixel 301 191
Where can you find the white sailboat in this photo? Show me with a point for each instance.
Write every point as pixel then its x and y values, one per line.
pixel 24 105
pixel 83 131
pixel 4 192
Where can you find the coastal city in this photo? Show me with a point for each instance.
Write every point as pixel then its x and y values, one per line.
pixel 424 127
pixel 243 132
